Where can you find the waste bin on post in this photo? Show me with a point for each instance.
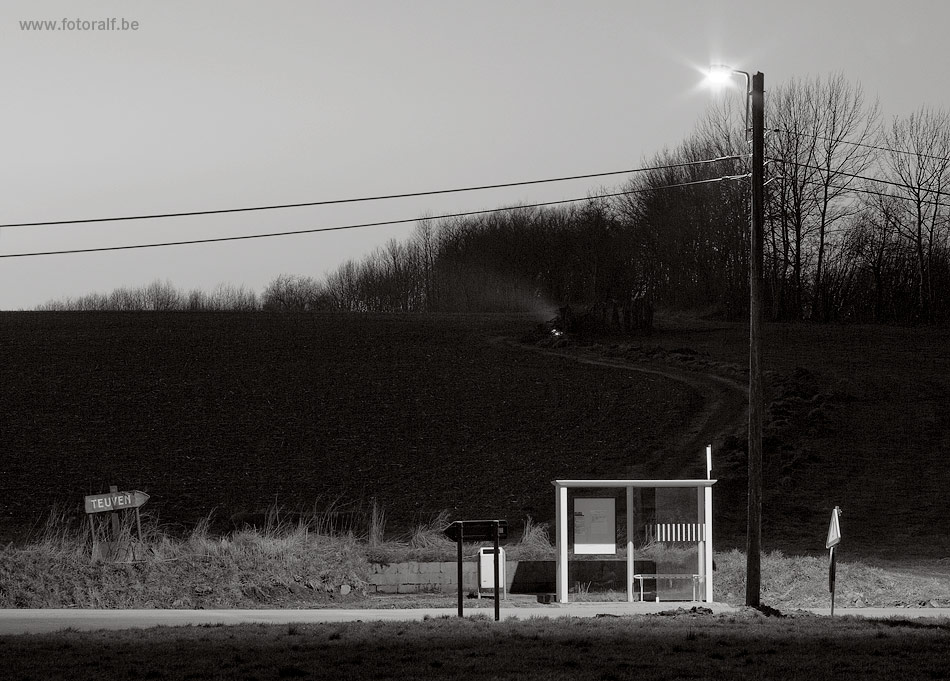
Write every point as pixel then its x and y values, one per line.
pixel 486 570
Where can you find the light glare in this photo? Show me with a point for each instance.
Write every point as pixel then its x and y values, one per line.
pixel 718 76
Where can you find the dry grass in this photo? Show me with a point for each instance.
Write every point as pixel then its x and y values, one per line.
pixel 248 568
pixel 802 582
pixel 299 562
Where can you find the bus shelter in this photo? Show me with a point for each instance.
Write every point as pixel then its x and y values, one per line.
pixel 667 521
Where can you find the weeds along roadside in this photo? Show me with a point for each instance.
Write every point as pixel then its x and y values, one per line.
pixel 272 558
pixel 305 559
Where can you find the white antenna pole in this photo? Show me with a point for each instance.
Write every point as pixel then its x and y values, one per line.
pixel 709 462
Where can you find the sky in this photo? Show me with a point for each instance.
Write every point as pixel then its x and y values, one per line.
pixel 205 105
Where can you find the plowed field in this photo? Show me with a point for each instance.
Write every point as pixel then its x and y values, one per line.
pixel 233 412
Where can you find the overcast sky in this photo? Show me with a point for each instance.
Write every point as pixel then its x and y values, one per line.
pixel 205 108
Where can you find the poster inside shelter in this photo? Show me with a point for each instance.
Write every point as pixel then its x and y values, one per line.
pixel 594 526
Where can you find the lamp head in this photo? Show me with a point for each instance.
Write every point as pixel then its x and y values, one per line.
pixel 719 76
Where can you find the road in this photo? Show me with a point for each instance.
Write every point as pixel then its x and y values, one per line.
pixel 46 621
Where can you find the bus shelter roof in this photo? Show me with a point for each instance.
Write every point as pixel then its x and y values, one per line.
pixel 633 483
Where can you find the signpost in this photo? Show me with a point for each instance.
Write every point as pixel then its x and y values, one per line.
pixel 111 502
pixel 478 530
pixel 834 538
pixel 115 501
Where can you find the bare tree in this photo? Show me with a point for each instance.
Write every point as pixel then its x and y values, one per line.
pixel 847 131
pixel 293 293
pixel 824 133
pixel 919 162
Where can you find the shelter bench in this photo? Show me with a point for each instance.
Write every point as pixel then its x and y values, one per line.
pixel 697 581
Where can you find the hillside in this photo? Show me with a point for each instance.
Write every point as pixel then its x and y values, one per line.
pixel 230 412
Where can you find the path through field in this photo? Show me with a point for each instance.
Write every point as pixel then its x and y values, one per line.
pixel 723 410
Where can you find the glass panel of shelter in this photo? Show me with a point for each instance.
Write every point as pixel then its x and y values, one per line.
pixel 667 533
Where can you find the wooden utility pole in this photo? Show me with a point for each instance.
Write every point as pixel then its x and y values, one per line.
pixel 754 528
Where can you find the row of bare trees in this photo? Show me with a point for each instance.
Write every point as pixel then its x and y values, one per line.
pixel 514 260
pixel 858 228
pixel 160 296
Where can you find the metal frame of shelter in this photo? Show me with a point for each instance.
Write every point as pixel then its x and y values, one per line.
pixel 703 513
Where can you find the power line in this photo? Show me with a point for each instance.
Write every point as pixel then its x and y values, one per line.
pixel 892 183
pixel 862 144
pixel 365 198
pixel 314 230
pixel 872 192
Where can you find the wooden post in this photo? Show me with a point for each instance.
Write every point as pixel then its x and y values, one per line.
pixel 95 539
pixel 754 528
pixel 114 517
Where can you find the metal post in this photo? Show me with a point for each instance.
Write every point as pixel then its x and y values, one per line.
pixel 708 515
pixel 461 538
pixel 497 585
pixel 701 544
pixel 631 565
pixel 561 510
pixel 756 257
pixel 831 580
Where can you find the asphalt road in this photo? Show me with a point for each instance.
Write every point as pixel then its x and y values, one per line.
pixel 44 621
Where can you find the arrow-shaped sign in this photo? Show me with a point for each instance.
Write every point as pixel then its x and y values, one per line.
pixel 115 501
pixel 834 538
pixel 834 530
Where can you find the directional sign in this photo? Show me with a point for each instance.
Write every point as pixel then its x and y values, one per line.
pixel 115 501
pixel 834 538
pixel 477 530
pixel 834 530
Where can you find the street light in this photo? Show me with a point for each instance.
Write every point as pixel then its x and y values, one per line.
pixel 755 98
pixel 720 75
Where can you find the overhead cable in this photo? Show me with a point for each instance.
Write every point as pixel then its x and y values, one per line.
pixel 872 192
pixel 382 223
pixel 384 197
pixel 861 144
pixel 837 173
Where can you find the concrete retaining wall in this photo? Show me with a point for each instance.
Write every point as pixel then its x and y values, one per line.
pixel 521 576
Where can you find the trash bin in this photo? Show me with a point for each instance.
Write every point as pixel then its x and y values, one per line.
pixel 486 569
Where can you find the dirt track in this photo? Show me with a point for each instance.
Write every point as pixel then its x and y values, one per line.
pixel 723 410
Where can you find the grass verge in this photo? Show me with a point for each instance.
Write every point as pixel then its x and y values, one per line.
pixel 305 564
pixel 744 645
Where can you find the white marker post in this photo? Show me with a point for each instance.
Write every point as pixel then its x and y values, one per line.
pixel 834 538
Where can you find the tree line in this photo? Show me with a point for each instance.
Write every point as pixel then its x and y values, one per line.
pixel 857 229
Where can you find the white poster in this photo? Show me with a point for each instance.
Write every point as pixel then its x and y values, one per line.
pixel 594 526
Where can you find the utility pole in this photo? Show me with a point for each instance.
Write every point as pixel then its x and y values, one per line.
pixel 756 258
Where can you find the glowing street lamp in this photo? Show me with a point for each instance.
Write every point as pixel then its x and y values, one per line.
pixel 720 76
pixel 755 98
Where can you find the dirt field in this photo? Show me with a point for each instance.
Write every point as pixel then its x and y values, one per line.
pixel 234 412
